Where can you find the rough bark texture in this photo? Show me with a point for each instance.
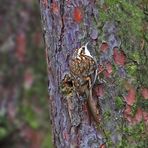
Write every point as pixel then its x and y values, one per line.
pixel 62 35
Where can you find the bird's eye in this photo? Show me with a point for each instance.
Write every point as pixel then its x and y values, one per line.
pixel 83 48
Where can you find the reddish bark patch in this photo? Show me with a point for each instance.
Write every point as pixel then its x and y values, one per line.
pixel 131 96
pixel 77 14
pixel 100 68
pixel 127 113
pixel 138 116
pixel 119 57
pixel 99 90
pixel 128 110
pixel 104 47
pixel 102 146
pixel 54 7
pixel 144 92
pixel 133 119
pixel 84 107
pixel 106 74
pixel 109 68
pixel 66 135
pixel 145 117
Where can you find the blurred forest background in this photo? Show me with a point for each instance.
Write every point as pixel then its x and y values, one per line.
pixel 24 116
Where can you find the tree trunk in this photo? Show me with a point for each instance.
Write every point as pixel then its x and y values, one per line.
pixel 67 25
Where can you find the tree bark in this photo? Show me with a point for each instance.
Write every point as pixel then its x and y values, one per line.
pixel 63 34
pixel 68 25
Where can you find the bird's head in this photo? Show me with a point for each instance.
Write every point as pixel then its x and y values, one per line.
pixel 84 51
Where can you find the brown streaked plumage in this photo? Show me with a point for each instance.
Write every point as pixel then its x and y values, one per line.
pixel 83 70
pixel 82 65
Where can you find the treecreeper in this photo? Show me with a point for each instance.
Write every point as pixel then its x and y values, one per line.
pixel 83 72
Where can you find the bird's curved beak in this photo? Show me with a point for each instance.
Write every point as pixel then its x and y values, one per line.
pixel 86 44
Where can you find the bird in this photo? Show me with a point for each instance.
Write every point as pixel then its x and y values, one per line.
pixel 83 66
pixel 83 70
